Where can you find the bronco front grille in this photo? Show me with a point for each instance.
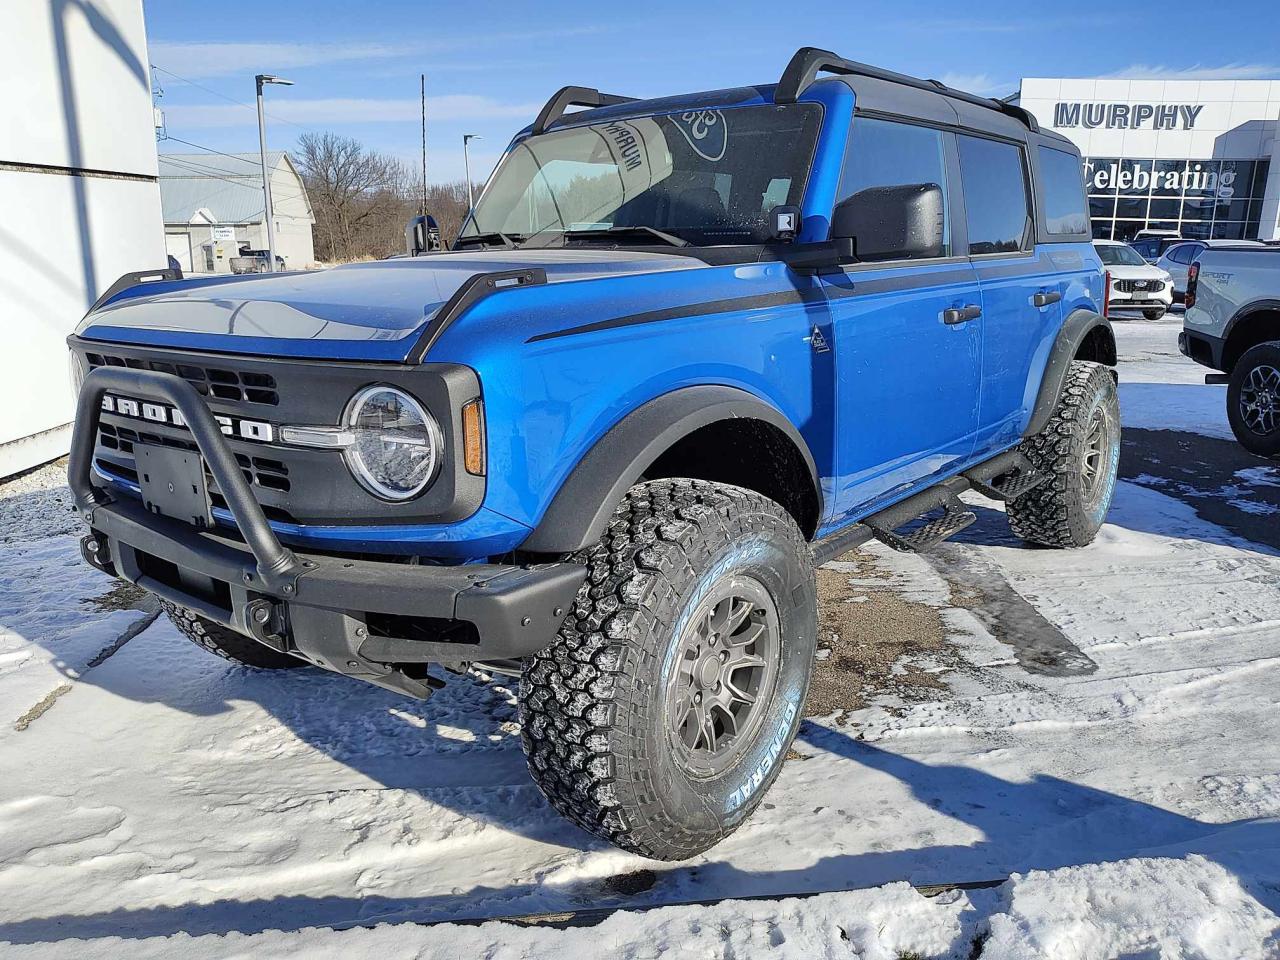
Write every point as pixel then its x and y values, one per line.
pixel 260 471
pixel 237 386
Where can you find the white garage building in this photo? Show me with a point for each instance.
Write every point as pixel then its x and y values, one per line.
pixel 79 197
pixel 213 206
pixel 1197 156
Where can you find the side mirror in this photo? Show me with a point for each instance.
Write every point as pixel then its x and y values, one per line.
pixel 421 235
pixel 893 223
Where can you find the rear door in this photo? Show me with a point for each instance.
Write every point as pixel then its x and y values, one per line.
pixel 1011 272
pixel 907 380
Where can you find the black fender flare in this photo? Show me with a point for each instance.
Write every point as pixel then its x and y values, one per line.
pixel 1079 325
pixel 581 508
pixel 1265 305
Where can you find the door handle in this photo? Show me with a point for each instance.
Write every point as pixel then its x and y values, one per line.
pixel 1043 298
pixel 956 315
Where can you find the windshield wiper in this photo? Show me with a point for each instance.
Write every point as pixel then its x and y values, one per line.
pixel 611 233
pixel 508 240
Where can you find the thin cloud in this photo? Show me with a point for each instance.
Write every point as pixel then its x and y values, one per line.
pixel 343 110
pixel 1227 71
pixel 221 58
pixel 983 84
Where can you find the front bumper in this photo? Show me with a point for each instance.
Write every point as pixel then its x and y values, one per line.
pixel 378 621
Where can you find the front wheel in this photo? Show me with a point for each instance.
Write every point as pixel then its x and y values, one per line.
pixel 1080 451
pixel 1253 400
pixel 227 643
pixel 664 709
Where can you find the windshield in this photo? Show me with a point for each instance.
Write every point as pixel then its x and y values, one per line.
pixel 704 176
pixel 1119 256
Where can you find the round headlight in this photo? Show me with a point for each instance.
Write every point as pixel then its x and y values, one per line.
pixel 396 444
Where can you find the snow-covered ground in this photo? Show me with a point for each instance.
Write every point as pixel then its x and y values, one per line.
pixel 1095 758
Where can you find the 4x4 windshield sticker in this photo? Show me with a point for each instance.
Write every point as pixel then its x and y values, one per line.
pixel 706 132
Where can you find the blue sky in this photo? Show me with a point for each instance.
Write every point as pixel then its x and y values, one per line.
pixel 491 64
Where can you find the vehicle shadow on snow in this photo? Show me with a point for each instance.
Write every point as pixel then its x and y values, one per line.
pixel 1044 823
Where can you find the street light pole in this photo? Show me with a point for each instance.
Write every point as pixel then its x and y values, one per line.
pixel 268 211
pixel 466 166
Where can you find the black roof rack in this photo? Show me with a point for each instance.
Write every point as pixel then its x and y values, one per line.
pixel 808 62
pixel 567 97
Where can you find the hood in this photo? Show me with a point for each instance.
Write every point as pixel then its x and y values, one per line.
pixel 1144 272
pixel 360 311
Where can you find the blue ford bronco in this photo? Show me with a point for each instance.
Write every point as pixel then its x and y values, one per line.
pixel 682 351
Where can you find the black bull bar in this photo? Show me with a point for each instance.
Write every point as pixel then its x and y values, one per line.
pixel 369 619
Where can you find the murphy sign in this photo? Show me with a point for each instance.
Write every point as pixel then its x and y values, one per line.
pixel 1127 116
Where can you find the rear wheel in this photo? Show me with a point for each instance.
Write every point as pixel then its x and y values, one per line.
pixel 1156 313
pixel 227 643
pixel 1080 451
pixel 1253 400
pixel 663 710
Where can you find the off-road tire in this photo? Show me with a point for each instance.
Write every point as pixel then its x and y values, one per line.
pixel 1265 356
pixel 227 643
pixel 1066 511
pixel 595 719
pixel 1156 314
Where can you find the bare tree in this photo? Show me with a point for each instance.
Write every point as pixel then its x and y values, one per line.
pixel 363 199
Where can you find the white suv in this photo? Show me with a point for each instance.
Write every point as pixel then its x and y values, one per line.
pixel 1135 284
pixel 1176 260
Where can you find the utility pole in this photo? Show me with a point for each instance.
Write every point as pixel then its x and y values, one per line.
pixel 267 210
pixel 423 211
pixel 466 166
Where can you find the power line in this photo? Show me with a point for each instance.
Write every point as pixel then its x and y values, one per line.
pixel 238 103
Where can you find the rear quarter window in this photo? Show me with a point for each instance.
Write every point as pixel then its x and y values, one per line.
pixel 1062 190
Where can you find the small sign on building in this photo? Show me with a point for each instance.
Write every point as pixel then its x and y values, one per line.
pixel 223 234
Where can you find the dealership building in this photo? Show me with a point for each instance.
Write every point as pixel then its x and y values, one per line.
pixel 1200 157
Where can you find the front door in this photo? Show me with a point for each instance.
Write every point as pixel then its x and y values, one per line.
pixel 907 337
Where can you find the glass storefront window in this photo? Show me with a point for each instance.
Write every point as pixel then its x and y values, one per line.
pixel 1199 198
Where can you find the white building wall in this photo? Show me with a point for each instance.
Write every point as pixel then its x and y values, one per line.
pixel 78 99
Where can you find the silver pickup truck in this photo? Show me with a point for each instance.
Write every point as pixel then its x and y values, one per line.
pixel 1232 325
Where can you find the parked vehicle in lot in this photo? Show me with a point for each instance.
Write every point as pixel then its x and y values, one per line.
pixel 1177 260
pixel 684 350
pixel 255 261
pixel 1134 283
pixel 1232 324
pixel 1151 249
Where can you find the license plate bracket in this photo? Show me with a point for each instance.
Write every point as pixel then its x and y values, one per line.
pixel 173 483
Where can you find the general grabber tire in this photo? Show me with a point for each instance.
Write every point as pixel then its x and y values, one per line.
pixel 1080 451
pixel 698 618
pixel 226 642
pixel 1253 400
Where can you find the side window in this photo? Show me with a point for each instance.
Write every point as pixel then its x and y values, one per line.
pixel 995 194
pixel 1144 247
pixel 1184 253
pixel 1062 186
pixel 883 153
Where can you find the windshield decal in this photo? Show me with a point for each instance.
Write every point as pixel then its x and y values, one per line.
pixel 706 132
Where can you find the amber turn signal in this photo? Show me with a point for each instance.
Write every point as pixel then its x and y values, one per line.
pixel 473 437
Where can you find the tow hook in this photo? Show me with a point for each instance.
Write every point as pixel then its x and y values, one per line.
pixel 97 553
pixel 265 621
